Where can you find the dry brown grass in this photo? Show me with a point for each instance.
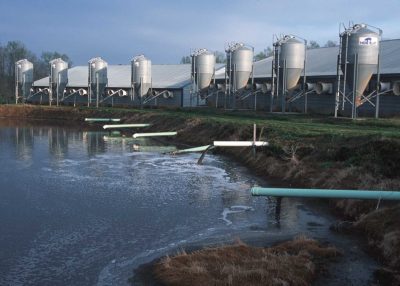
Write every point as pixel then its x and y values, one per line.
pixel 383 230
pixel 289 263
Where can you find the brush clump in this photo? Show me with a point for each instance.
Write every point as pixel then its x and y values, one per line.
pixel 291 263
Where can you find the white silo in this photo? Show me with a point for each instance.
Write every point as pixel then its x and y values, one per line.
pixel 288 66
pixel 203 68
pixel 58 79
pixel 23 79
pixel 239 67
pixel 97 79
pixel 141 75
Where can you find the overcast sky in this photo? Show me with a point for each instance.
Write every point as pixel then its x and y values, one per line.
pixel 166 30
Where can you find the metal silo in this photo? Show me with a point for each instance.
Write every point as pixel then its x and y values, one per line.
pixel 289 55
pixel 203 67
pixel 359 58
pixel 23 79
pixel 141 75
pixel 239 65
pixel 97 80
pixel 58 78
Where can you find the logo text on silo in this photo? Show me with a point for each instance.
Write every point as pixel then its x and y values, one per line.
pixel 368 41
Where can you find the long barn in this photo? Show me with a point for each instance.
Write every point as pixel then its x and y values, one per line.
pixel 321 67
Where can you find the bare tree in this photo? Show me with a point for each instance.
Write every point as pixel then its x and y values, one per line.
pixel 264 54
pixel 14 51
pixel 330 43
pixel 185 60
pixel 290 153
pixel 220 57
pixel 313 45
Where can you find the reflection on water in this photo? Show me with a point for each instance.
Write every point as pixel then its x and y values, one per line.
pixel 94 142
pixel 23 141
pixel 58 142
pixel 78 208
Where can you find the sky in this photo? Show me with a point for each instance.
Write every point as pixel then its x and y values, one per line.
pixel 166 30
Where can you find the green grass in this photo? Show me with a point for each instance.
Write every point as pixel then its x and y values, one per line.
pixel 289 125
pixel 285 126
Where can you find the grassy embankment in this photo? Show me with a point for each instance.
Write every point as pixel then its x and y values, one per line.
pixel 304 151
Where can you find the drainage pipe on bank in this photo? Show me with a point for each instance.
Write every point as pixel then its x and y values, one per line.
pixel 326 193
pixel 155 134
pixel 116 126
pixel 239 143
pixel 102 119
pixel 193 150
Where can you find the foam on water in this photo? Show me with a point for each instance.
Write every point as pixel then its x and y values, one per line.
pixel 234 210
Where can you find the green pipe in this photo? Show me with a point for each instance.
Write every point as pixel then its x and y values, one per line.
pixel 102 119
pixel 154 149
pixel 115 133
pixel 155 134
pixel 195 149
pixel 117 126
pixel 118 138
pixel 326 193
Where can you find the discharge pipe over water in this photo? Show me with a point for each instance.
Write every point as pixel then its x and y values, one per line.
pixel 326 193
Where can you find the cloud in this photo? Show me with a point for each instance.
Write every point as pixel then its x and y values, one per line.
pixel 167 30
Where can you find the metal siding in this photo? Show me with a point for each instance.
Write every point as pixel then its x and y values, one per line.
pixel 322 61
pixel 119 76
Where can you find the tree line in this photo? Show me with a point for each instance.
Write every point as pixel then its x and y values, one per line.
pixel 220 57
pixel 14 51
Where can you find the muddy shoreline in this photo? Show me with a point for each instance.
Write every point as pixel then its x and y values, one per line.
pixel 319 162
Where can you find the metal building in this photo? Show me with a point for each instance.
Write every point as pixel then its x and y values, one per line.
pixel 321 82
pixel 239 80
pixel 171 85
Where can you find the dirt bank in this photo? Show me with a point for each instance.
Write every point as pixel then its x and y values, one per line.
pixel 304 152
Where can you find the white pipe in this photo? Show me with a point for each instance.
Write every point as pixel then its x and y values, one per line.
pixel 310 86
pixel 155 134
pixel 264 87
pixel 82 91
pixel 240 143
pixel 44 90
pixel 396 88
pixel 168 94
pixel 122 92
pixel 323 87
pixel 384 86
